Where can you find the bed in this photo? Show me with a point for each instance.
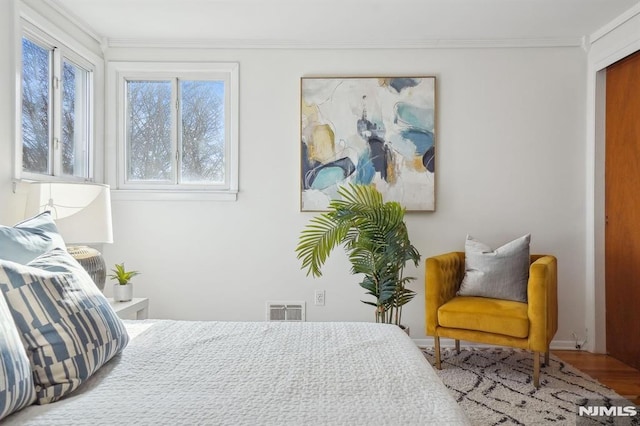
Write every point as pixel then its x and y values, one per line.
pixel 67 359
pixel 244 373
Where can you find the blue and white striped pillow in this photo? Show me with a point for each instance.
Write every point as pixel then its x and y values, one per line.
pixel 16 383
pixel 68 327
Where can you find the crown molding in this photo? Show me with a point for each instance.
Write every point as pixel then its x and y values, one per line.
pixel 488 43
pixel 612 25
pixel 305 44
pixel 74 19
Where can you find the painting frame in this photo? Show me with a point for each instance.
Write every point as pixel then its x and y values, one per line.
pixel 368 130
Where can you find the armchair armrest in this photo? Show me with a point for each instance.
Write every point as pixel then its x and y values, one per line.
pixel 443 275
pixel 542 295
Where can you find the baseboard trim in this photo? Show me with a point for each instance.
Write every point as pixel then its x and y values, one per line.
pixel 559 345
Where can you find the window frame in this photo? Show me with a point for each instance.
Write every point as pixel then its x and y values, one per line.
pixel 119 73
pixel 60 52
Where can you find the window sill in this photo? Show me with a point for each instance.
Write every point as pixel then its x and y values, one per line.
pixel 36 177
pixel 169 195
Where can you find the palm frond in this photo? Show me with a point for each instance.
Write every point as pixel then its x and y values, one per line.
pixel 317 241
pixel 403 296
pixel 376 240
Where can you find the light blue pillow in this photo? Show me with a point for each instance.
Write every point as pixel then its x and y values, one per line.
pixel 67 325
pixel 502 273
pixel 16 383
pixel 29 239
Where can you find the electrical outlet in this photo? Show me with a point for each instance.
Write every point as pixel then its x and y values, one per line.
pixel 319 298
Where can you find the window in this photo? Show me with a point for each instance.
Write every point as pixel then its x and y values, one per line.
pixel 55 109
pixel 177 126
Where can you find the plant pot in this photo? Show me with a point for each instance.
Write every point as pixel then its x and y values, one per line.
pixel 405 328
pixel 122 293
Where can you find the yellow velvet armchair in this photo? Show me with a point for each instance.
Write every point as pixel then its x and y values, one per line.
pixel 529 325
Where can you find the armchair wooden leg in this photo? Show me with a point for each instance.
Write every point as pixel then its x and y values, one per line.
pixel 457 346
pixel 546 358
pixel 436 340
pixel 536 369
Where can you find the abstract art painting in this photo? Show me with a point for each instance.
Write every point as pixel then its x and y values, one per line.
pixel 368 130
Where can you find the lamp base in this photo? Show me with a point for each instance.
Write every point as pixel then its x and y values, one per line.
pixel 92 262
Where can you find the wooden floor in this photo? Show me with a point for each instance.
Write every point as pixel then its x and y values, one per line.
pixel 620 377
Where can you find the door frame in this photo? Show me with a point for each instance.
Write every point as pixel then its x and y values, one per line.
pixel 597 62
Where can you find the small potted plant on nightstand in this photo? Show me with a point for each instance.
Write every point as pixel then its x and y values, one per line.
pixel 123 290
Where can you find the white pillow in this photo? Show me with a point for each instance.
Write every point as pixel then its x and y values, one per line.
pixel 502 273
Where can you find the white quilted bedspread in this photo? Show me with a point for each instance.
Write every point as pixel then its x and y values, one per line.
pixel 241 373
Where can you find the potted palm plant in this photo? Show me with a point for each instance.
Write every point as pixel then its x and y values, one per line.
pixel 123 290
pixel 376 240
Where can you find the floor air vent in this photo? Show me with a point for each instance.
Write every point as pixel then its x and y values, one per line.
pixel 285 311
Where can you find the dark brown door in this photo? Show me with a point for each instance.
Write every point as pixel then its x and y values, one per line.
pixel 622 210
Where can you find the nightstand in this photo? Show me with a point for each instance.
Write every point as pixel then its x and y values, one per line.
pixel 137 308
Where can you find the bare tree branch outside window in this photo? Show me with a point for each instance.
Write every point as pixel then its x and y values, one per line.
pixel 36 125
pixel 75 133
pixel 68 117
pixel 202 131
pixel 46 89
pixel 150 129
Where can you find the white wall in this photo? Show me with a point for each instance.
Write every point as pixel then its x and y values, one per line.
pixel 510 160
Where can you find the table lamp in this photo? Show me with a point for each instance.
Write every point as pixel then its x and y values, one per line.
pixel 82 213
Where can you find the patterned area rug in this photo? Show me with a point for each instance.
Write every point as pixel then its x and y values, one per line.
pixel 494 386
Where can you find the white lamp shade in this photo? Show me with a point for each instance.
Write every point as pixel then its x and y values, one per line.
pixel 81 211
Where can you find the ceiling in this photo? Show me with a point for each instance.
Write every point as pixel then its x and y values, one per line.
pixel 375 22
